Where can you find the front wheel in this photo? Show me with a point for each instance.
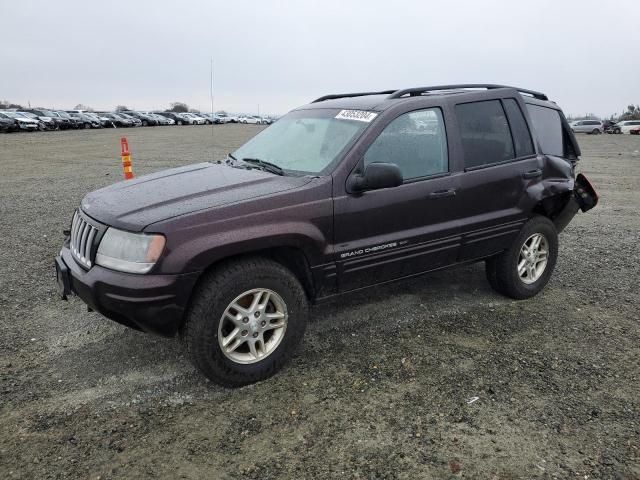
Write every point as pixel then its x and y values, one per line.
pixel 524 269
pixel 246 319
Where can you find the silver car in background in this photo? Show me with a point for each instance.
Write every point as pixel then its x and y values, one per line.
pixel 587 126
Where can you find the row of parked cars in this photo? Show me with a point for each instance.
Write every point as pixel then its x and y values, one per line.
pixel 631 127
pixel 32 119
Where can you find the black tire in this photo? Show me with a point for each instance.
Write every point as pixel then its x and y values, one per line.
pixel 502 270
pixel 210 300
pixel 179 122
pixel 595 131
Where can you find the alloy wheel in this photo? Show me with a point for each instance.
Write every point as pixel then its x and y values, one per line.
pixel 252 326
pixel 533 258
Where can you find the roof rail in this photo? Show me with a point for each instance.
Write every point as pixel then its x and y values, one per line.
pixel 420 90
pixel 349 95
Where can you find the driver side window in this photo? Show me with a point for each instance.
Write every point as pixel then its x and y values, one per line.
pixel 415 141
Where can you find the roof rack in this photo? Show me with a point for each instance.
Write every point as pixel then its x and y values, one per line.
pixel 488 86
pixel 350 95
pixel 414 92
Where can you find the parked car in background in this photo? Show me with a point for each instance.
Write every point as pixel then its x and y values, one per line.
pixel 197 120
pixel 147 120
pixel 224 118
pixel 251 119
pixel 75 122
pixel 133 121
pixel 159 118
pixel 117 120
pixel 176 117
pixel 104 121
pixel 8 125
pixel 24 123
pixel 587 126
pixel 48 120
pixel 607 124
pixel 207 117
pixel 634 130
pixel 46 123
pixel 61 123
pixel 624 127
pixel 87 121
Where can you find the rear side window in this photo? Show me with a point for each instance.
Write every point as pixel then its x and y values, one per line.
pixel 519 129
pixel 548 127
pixel 485 134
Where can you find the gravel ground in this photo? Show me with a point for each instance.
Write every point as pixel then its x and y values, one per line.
pixel 383 384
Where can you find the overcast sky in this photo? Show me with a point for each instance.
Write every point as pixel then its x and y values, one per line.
pixel 275 55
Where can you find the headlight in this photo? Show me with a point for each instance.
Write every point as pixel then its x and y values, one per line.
pixel 129 252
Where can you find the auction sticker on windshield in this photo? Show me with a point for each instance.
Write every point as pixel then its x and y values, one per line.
pixel 359 115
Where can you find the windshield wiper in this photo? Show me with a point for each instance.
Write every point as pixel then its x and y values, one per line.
pixel 230 155
pixel 266 166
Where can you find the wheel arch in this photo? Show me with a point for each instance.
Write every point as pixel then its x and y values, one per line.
pixel 292 258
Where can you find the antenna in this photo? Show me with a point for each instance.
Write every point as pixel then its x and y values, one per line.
pixel 211 94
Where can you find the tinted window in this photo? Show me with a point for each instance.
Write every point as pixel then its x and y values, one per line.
pixel 519 129
pixel 415 141
pixel 548 128
pixel 485 133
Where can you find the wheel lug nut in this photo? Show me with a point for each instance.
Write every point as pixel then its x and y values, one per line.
pixel 257 314
pixel 244 333
pixel 263 323
pixel 255 335
pixel 245 320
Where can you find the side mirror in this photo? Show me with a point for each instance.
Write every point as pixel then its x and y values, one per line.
pixel 376 176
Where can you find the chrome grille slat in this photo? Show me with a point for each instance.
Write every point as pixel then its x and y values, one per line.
pixel 92 235
pixel 83 235
pixel 83 240
pixel 74 228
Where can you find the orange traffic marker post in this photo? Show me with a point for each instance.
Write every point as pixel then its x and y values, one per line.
pixel 126 159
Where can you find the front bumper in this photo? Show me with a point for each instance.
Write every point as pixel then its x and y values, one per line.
pixel 151 303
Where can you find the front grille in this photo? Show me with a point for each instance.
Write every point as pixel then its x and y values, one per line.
pixel 83 235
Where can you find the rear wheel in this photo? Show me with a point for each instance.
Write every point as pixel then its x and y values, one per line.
pixel 246 319
pixel 595 131
pixel 524 269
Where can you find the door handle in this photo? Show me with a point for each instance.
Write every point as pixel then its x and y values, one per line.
pixel 443 193
pixel 533 173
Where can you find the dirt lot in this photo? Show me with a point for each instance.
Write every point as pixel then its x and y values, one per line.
pixel 382 385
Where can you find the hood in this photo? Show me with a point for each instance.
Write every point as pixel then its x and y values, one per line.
pixel 135 204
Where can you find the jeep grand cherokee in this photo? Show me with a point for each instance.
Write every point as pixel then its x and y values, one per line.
pixel 347 192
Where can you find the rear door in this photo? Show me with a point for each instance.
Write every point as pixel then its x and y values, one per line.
pixel 500 165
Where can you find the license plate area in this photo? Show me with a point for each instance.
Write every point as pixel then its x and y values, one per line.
pixel 63 279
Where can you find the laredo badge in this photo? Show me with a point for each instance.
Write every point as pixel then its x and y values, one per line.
pixel 359 115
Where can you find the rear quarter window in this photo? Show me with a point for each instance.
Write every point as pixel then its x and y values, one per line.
pixel 548 128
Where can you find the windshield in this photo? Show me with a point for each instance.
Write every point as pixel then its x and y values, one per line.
pixel 306 141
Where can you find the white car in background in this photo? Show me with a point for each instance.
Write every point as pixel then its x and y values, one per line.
pixel 251 119
pixel 197 120
pixel 625 126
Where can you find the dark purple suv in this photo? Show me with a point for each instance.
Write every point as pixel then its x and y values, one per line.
pixel 347 192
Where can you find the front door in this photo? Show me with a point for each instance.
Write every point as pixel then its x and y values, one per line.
pixel 390 233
